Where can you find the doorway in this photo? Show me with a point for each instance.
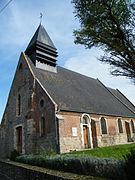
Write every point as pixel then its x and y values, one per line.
pixel 128 132
pixel 86 132
pixel 94 133
pixel 19 139
pixel 85 136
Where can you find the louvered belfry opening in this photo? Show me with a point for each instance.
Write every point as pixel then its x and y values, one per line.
pixel 42 51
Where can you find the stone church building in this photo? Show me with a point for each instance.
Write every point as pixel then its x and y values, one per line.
pixel 50 107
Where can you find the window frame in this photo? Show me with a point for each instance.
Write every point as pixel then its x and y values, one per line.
pixel 106 130
pixel 132 126
pixel 120 128
pixel 18 105
pixel 42 126
pixel 86 119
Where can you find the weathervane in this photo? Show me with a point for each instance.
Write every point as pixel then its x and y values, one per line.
pixel 41 16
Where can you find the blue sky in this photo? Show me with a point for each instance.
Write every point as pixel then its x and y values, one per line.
pixel 18 23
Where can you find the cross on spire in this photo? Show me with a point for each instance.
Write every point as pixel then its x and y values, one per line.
pixel 41 16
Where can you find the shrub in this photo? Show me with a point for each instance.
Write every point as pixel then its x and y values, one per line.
pixel 130 164
pixel 45 153
pixel 103 167
pixel 13 155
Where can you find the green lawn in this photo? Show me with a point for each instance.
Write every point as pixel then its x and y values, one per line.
pixel 117 151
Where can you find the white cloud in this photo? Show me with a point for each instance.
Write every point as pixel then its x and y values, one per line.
pixel 86 63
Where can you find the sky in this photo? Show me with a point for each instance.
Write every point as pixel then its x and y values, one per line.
pixel 18 23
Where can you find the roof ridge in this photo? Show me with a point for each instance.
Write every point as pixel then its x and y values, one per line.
pixel 116 97
pixel 125 97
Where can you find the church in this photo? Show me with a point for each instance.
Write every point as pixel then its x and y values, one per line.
pixel 50 107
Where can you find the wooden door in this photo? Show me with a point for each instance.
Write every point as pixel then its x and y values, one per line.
pixel 128 132
pixel 19 139
pixel 85 136
pixel 94 133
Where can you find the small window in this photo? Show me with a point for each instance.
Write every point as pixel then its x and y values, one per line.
pixel 85 119
pixel 18 112
pixel 42 126
pixel 133 127
pixel 103 126
pixel 120 126
pixel 42 103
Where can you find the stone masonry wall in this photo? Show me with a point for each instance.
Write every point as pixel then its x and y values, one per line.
pixel 31 113
pixel 21 83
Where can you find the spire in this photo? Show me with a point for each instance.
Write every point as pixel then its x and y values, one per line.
pixel 41 36
pixel 41 49
pixel 41 15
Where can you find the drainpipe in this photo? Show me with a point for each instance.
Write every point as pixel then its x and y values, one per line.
pixel 57 109
pixel 56 129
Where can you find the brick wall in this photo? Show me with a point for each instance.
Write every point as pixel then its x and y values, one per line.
pixel 48 141
pixel 66 139
pixel 70 120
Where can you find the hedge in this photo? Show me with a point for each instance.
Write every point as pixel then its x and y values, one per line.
pixel 82 164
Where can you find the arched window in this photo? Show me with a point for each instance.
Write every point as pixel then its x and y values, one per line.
pixel 41 103
pixel 103 125
pixel 18 112
pixel 120 126
pixel 85 119
pixel 133 127
pixel 42 126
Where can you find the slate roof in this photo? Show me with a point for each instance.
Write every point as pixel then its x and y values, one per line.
pixel 122 98
pixel 75 92
pixel 41 36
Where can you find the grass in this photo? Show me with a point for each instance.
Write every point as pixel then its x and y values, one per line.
pixel 117 151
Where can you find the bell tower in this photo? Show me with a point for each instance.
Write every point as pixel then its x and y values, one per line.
pixel 42 51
